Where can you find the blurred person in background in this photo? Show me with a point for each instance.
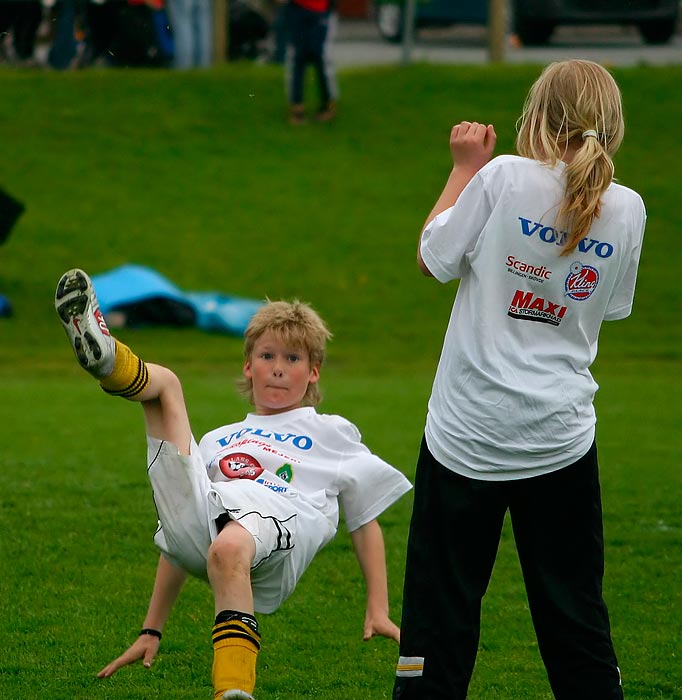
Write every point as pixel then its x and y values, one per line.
pixel 19 22
pixel 308 33
pixel 142 35
pixel 192 26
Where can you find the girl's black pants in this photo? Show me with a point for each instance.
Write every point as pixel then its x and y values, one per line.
pixel 453 539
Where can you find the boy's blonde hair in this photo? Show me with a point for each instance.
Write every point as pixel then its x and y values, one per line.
pixel 567 100
pixel 297 324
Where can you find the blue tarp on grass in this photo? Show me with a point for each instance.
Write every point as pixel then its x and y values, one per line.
pixel 147 298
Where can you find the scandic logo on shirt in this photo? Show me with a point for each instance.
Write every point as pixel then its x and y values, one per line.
pixel 524 269
pixel 548 234
pixel 530 307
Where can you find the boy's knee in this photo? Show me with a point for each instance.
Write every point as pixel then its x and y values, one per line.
pixel 167 378
pixel 233 550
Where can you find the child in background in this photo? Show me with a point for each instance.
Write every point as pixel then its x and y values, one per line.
pixel 309 25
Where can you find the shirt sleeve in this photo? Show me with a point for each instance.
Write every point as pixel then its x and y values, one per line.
pixel 452 235
pixel 369 485
pixel 620 303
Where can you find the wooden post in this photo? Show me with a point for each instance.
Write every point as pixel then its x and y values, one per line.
pixel 497 28
pixel 220 35
pixel 410 11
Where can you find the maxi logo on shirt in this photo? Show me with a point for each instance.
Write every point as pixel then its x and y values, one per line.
pixel 530 307
pixel 548 234
pixel 302 442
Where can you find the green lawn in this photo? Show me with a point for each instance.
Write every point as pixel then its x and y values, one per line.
pixel 200 176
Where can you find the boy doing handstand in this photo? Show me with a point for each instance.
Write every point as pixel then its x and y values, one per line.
pixel 249 506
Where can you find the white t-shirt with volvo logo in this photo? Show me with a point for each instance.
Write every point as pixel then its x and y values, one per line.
pixel 320 456
pixel 513 394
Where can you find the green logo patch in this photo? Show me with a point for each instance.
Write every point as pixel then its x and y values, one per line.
pixel 286 473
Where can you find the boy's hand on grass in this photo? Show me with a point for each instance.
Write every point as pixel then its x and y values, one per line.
pixel 380 626
pixel 145 647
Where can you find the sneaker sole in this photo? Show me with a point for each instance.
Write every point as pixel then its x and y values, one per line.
pixel 237 695
pixel 73 301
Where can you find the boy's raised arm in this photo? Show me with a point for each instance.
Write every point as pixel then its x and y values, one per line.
pixel 368 543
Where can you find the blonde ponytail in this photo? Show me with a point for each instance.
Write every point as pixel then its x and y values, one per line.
pixel 574 104
pixel 588 176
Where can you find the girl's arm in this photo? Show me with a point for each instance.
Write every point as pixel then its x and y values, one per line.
pixel 368 543
pixel 167 586
pixel 471 146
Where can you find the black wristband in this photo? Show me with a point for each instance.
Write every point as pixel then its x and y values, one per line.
pixel 153 632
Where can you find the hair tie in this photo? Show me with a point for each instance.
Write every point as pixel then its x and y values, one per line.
pixel 590 132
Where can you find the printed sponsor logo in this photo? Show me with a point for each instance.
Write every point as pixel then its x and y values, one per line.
pixel 530 307
pixel 239 465
pixel 582 280
pixel 548 234
pixel 277 488
pixel 538 273
pixel 302 442
pixel 286 473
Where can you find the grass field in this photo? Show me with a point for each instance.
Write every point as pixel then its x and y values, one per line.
pixel 199 176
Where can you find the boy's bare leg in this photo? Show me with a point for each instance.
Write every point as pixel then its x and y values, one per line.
pixel 165 413
pixel 236 640
pixel 229 568
pixel 120 372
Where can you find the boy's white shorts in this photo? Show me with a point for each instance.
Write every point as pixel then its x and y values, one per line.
pixel 287 528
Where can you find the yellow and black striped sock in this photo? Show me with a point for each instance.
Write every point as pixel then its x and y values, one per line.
pixel 236 643
pixel 129 376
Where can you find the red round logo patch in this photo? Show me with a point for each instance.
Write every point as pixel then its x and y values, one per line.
pixel 582 280
pixel 239 465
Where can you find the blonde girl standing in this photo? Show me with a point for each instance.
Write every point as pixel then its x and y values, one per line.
pixel 546 247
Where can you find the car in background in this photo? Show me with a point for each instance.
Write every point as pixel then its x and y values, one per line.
pixel 534 21
pixel 390 15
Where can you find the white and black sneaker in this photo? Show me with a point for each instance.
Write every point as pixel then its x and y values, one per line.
pixel 237 695
pixel 78 309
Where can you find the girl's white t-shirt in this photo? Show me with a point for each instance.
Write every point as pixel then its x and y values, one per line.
pixel 513 394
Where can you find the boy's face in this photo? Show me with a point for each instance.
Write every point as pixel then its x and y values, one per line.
pixel 279 374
